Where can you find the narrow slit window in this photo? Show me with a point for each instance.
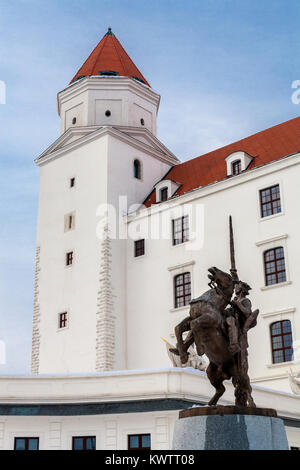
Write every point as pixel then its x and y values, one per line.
pixel 69 258
pixel 63 320
pixel 139 248
pixel 69 222
pixel 137 171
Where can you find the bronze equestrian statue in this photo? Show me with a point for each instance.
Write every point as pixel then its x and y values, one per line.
pixel 218 325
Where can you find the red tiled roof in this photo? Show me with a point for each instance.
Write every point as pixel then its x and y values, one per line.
pixel 265 146
pixel 109 55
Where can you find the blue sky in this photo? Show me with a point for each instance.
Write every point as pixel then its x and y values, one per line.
pixel 224 69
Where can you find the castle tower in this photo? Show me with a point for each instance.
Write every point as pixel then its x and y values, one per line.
pixel 107 149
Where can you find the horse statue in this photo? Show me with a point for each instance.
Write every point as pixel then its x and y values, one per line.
pixel 218 326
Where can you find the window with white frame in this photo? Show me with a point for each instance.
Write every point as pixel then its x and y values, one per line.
pixel 270 201
pixel 180 230
pixel 274 263
pixel 182 290
pixel 281 341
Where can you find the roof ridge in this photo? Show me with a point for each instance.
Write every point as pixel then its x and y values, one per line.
pixel 241 140
pixel 100 49
pixel 269 145
pixel 119 56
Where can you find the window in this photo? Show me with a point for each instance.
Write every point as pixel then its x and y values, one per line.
pixel 72 182
pixel 139 442
pixel 182 289
pixel 69 258
pixel 181 230
pixel 74 120
pixel 139 248
pixel 63 320
pixel 274 266
pixel 282 340
pixel 109 73
pixel 236 167
pixel 107 113
pixel 137 169
pixel 84 443
pixel 26 443
pixel 270 201
pixel 164 194
pixel 142 122
pixel 69 222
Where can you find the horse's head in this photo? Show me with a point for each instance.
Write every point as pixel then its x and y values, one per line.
pixel 223 280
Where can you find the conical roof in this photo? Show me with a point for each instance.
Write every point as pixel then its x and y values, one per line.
pixel 109 59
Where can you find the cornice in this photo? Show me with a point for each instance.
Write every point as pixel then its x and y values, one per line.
pixel 93 134
pixel 218 186
pixel 276 238
pixel 133 131
pixel 113 83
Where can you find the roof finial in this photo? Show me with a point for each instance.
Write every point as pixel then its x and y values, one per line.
pixel 109 32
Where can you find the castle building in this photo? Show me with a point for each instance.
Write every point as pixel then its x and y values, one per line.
pixel 126 233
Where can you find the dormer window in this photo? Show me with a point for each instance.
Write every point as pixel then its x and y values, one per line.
pixel 164 194
pixel 165 189
pixel 109 73
pixel 137 172
pixel 237 162
pixel 236 167
pixel 139 80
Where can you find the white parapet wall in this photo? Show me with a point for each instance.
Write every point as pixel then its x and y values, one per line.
pixel 113 405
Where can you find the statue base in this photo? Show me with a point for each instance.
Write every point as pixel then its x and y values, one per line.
pixel 229 428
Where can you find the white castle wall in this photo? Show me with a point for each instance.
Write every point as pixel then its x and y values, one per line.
pixel 150 278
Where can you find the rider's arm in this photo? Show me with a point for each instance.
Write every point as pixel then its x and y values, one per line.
pixel 244 306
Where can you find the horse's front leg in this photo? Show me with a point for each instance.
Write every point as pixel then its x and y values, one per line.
pixel 181 347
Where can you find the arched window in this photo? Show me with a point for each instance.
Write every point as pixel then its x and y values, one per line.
pixel 236 167
pixel 137 171
pixel 274 266
pixel 182 289
pixel 281 341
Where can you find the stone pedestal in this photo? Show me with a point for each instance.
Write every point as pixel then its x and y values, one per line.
pixel 229 428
